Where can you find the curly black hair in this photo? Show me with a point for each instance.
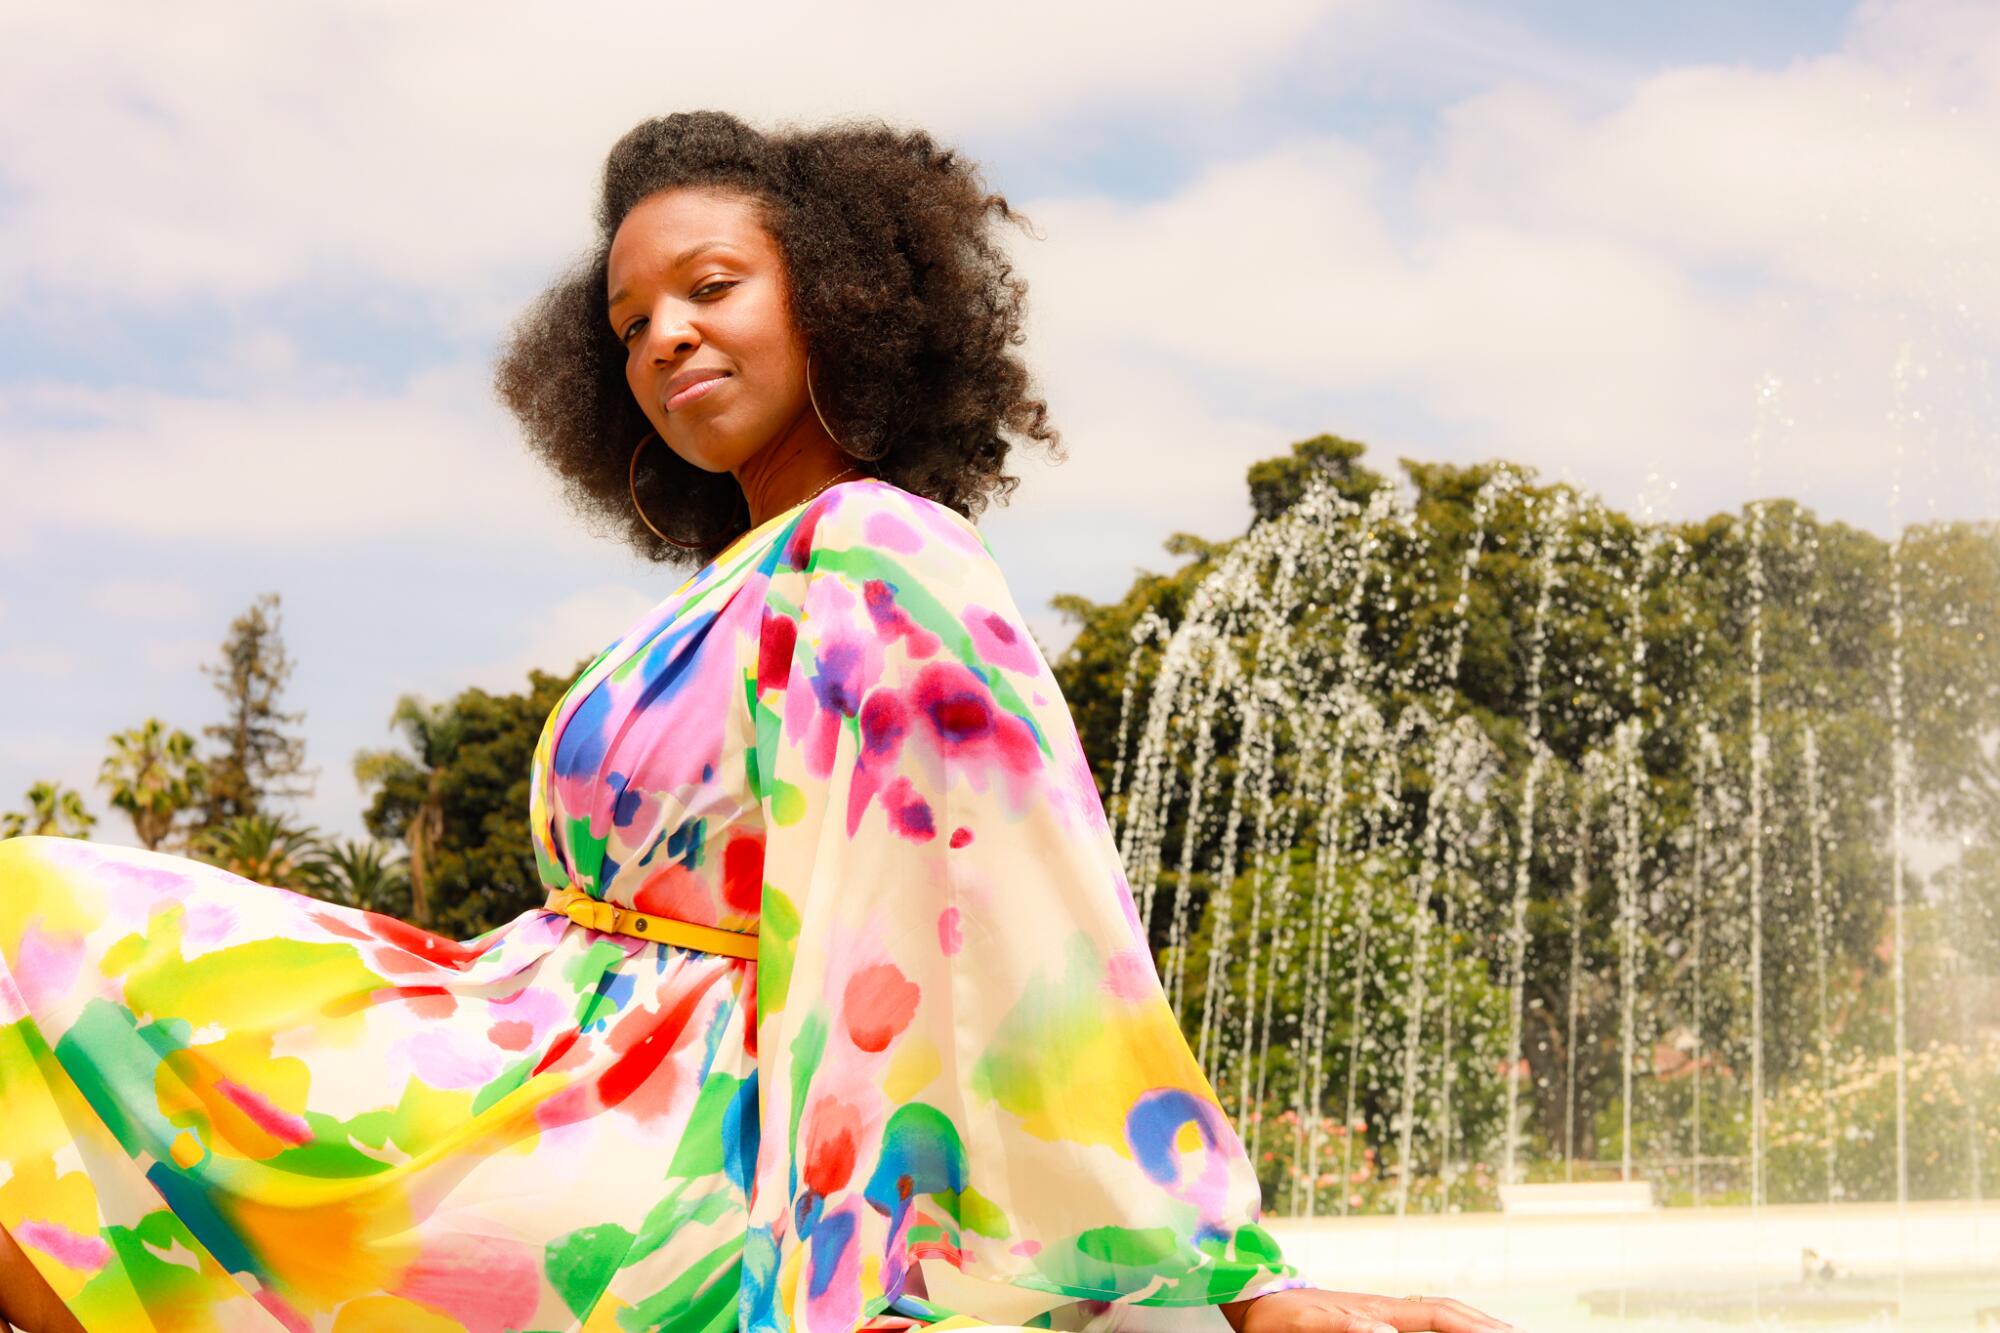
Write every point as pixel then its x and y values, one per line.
pixel 907 305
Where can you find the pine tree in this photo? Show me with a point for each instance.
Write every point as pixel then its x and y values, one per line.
pixel 257 758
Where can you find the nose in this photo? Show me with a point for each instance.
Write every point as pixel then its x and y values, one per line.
pixel 670 336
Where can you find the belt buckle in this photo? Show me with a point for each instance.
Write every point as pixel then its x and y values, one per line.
pixel 592 912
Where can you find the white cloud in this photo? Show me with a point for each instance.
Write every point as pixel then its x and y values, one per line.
pixel 292 463
pixel 1598 292
pixel 134 597
pixel 1842 174
pixel 176 656
pixel 1406 51
pixel 576 627
pixel 1589 272
pixel 261 356
pixel 38 661
pixel 214 151
pixel 1587 269
pixel 1146 456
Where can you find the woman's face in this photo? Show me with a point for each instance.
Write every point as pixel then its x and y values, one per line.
pixel 697 287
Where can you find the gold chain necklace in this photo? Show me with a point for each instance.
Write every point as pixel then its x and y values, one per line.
pixel 835 477
pixel 788 508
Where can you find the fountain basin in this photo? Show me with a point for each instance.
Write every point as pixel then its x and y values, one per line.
pixel 1439 1252
pixel 1788 1305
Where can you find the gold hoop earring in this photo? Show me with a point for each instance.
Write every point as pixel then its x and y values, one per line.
pixel 632 482
pixel 861 467
pixel 814 398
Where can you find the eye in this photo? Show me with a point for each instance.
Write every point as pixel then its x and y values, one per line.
pixel 625 336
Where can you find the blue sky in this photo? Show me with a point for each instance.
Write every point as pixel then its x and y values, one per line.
pixel 255 265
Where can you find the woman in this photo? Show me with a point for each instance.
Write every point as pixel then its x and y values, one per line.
pixel 838 1015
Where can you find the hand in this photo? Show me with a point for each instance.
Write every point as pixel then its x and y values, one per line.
pixel 1307 1310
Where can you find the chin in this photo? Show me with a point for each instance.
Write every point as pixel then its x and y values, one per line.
pixel 709 460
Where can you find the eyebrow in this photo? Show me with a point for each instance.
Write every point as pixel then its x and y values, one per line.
pixel 698 248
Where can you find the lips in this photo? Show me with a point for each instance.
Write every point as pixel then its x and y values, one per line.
pixel 689 388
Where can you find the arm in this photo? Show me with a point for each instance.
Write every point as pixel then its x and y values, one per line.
pixel 967 1056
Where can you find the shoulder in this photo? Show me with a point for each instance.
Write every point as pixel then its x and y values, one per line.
pixel 879 584
pixel 890 588
pixel 871 556
pixel 855 524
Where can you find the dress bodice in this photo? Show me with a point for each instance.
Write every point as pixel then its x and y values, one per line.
pixel 640 792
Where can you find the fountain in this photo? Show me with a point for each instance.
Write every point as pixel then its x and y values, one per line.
pixel 1548 533
pixel 1443 888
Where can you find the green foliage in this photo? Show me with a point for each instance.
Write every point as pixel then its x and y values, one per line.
pixel 1276 484
pixel 266 849
pixel 269 849
pixel 365 875
pixel 1954 1094
pixel 52 810
pixel 1653 625
pixel 257 759
pixel 1952 1122
pixel 154 777
pixel 1368 918
pixel 460 790
pixel 411 798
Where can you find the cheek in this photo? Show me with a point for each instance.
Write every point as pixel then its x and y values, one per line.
pixel 766 332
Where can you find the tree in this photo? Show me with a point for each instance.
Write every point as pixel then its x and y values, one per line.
pixel 264 849
pixel 412 796
pixel 1277 483
pixel 480 866
pixel 364 875
pixel 258 759
pixel 53 811
pixel 153 776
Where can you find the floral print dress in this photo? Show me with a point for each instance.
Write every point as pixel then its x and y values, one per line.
pixel 947 1091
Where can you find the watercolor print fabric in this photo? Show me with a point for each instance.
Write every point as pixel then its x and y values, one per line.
pixel 967 1053
pixel 231 1106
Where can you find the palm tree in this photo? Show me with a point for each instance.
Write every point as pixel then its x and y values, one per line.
pixel 414 783
pixel 362 874
pixel 153 776
pixel 264 848
pixel 53 810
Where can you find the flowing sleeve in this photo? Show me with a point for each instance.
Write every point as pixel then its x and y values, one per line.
pixel 975 1098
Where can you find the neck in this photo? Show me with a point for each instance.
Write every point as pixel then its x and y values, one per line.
pixel 802 459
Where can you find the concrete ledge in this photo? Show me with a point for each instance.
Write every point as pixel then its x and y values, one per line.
pixel 1571 1197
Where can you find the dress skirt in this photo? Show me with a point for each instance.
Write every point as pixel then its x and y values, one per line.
pixel 947 1090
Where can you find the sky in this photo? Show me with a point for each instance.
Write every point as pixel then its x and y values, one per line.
pixel 256 261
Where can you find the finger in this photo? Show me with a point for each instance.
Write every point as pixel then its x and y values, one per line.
pixel 1448 1315
pixel 1375 1314
pixel 1345 1312
pixel 1359 1322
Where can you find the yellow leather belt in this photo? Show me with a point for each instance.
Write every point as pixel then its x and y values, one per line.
pixel 597 914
